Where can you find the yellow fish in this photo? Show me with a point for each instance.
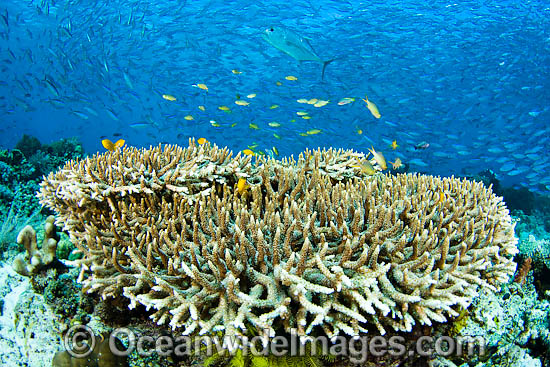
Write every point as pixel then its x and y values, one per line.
pixel 224 108
pixel 169 97
pixel 359 131
pixel 301 113
pixel 240 102
pixel 366 167
pixel 279 84
pixel 201 86
pixel 189 118
pixel 320 103
pixel 234 124
pixel 275 150
pixel 302 100
pixel 274 124
pixel 251 95
pixel 394 145
pixel 274 106
pixel 441 197
pixel 379 158
pixel 290 77
pixel 312 101
pixel 236 72
pixel 109 145
pixel 214 123
pixel 242 186
pixel 306 117
pixel 372 107
pixel 201 141
pixel 253 126
pixel 202 108
pixel 313 131
pixel 277 136
pixel 303 134
pixel 248 152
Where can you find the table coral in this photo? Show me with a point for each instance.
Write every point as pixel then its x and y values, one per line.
pixel 313 244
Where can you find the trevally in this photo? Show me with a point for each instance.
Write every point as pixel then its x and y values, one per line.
pixel 293 45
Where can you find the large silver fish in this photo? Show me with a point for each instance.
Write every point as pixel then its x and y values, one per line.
pixel 293 45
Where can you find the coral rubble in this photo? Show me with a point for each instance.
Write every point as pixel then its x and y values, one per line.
pixel 312 244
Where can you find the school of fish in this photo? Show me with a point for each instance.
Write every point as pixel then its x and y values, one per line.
pixel 441 88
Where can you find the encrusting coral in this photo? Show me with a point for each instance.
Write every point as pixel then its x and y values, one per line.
pixel 35 259
pixel 312 243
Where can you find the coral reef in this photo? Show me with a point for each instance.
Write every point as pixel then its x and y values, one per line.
pixel 50 277
pixel 513 324
pixel 20 168
pixel 45 158
pixel 16 183
pixel 534 244
pixel 35 258
pixel 28 145
pixel 536 224
pixel 312 244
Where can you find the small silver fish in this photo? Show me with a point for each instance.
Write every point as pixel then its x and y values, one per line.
pixel 52 87
pixel 422 145
pixel 128 81
pixel 293 45
pixel 5 18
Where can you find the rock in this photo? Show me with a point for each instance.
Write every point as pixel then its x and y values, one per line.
pixel 28 329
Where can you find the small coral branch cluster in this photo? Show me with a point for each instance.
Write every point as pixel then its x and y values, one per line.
pixel 36 259
pixel 312 244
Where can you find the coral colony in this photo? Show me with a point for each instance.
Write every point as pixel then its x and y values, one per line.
pixel 312 244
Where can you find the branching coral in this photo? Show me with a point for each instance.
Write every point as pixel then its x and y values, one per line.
pixel 313 245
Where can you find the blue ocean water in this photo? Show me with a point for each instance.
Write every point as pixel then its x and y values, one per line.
pixel 461 87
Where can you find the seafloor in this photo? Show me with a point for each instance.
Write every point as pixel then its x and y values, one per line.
pixel 39 308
